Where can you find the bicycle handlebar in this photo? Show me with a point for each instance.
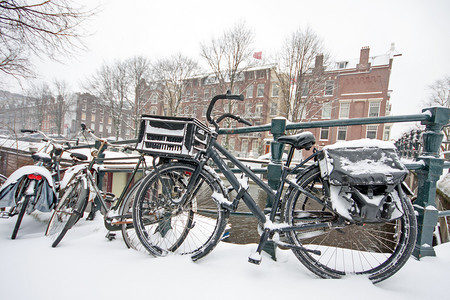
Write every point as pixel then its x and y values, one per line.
pixel 237 118
pixel 227 96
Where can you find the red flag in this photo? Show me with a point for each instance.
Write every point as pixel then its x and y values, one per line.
pixel 257 55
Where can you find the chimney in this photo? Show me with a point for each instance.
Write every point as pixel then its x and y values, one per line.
pixel 319 61
pixel 364 59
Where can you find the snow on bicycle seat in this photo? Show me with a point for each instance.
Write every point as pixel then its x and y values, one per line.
pixel 303 140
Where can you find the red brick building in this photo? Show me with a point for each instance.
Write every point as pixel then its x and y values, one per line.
pixel 356 89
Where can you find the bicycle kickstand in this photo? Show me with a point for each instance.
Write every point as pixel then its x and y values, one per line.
pixel 256 257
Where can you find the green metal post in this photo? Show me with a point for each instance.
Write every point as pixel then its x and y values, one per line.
pixel 425 205
pixel 274 168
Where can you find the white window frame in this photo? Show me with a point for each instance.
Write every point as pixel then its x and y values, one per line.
pixel 273 109
pixel 374 105
pixel 328 91
pixel 326 110
pixel 260 90
pixel 275 90
pixel 327 130
pixel 249 91
pixel 371 128
pixel 259 110
pixel 339 130
pixel 344 110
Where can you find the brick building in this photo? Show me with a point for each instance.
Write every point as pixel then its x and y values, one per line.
pixel 356 89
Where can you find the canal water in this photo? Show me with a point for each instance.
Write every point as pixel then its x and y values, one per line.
pixel 244 228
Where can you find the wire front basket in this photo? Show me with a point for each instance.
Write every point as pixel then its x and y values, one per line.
pixel 172 136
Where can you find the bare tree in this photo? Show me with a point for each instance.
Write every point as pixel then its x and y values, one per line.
pixel 171 75
pixel 300 80
pixel 229 55
pixel 139 73
pixel 39 99
pixel 440 96
pixel 111 85
pixel 61 106
pixel 44 28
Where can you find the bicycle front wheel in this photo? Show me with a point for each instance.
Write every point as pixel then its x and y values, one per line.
pixel 69 209
pixel 128 233
pixel 376 250
pixel 165 226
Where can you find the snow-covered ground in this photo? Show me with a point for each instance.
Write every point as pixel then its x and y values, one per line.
pixel 87 266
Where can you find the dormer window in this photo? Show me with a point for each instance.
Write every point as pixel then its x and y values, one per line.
pixel 342 64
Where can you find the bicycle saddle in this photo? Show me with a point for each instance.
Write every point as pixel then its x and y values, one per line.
pixel 78 156
pixel 303 140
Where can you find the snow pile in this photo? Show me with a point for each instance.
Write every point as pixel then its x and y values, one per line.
pixel 87 266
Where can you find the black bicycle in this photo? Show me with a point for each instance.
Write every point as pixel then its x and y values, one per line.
pixel 337 214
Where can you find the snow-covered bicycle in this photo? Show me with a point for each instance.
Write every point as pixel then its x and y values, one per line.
pixel 35 187
pixel 83 189
pixel 343 210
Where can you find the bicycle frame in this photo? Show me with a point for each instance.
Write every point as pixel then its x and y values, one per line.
pixel 100 196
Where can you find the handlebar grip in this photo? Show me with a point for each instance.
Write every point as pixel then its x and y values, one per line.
pixel 235 97
pixel 27 131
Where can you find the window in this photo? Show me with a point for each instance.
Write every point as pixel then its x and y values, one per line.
pixel 374 109
pixel 387 133
pixel 342 133
pixel 258 110
pixel 100 128
pixel 244 147
pixel 255 145
pixel 260 90
pixel 204 111
pixel 206 94
pixel 249 92
pixel 195 96
pixel 251 75
pixel 92 118
pixel 342 64
pixel 236 90
pixel 261 74
pixel 154 98
pixel 188 96
pixel 153 110
pixel 329 85
pixel 275 90
pixel 305 89
pixel 83 116
pixel 83 107
pixel 109 120
pixel 324 133
pixel 371 132
pixel 248 109
pixel 326 111
pixel 231 144
pixel 344 110
pixel 273 109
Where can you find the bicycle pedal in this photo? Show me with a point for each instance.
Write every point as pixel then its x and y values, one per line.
pixel 5 215
pixel 255 258
pixel 110 236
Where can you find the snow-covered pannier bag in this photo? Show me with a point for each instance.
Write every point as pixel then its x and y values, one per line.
pixel 363 177
pixel 15 184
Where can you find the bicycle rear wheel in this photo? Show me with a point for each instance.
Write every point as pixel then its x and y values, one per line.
pixel 69 210
pixel 164 226
pixel 23 203
pixel 376 250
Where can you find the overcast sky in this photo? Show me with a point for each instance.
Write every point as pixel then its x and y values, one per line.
pixel 419 29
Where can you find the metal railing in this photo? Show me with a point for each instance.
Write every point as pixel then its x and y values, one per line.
pixel 428 165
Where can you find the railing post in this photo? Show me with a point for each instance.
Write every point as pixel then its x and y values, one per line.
pixel 274 169
pixel 425 204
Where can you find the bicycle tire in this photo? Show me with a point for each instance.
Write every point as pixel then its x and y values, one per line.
pixel 193 228
pixel 23 208
pixel 377 251
pixel 69 210
pixel 129 236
